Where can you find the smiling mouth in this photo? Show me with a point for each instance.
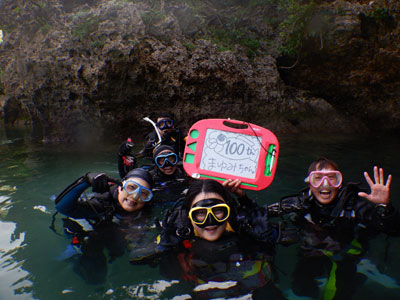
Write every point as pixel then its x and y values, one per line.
pixel 211 228
pixel 325 192
pixel 168 170
pixel 131 202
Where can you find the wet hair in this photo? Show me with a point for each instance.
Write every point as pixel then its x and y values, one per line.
pixel 166 115
pixel 205 186
pixel 139 173
pixel 322 163
pixel 161 148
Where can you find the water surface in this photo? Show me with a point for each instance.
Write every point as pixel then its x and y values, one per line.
pixel 31 173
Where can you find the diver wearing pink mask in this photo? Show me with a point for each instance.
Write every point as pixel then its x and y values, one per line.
pixel 336 220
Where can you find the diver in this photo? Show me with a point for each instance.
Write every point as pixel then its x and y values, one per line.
pixel 212 237
pixel 126 159
pixel 167 171
pixel 169 133
pixel 105 219
pixel 336 221
pixel 165 133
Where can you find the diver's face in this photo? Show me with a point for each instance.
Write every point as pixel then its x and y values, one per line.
pixel 325 193
pixel 166 122
pixel 212 232
pixel 166 167
pixel 131 202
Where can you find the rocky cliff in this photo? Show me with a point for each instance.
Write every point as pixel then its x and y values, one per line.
pixel 89 69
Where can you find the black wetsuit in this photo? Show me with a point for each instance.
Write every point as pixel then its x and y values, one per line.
pixel 109 226
pixel 241 255
pixel 247 219
pixel 126 163
pixel 174 184
pixel 333 234
pixel 229 259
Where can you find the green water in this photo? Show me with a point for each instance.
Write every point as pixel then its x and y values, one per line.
pixel 32 172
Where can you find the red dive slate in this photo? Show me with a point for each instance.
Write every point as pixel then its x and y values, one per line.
pixel 223 149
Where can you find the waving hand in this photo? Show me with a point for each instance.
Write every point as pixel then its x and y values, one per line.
pixel 379 189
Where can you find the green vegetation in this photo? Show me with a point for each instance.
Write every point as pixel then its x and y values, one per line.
pixel 340 11
pixel 81 14
pixel 294 27
pixel 254 3
pixel 227 39
pixel 381 17
pixel 45 28
pixel 97 44
pixel 152 17
pixel 381 13
pixel 189 46
pixel 86 27
pixel 17 10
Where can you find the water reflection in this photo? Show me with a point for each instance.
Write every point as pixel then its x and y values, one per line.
pixel 14 280
pixel 32 173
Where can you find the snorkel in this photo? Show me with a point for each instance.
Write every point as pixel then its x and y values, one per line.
pixel 147 119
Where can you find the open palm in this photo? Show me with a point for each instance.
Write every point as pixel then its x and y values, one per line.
pixel 380 190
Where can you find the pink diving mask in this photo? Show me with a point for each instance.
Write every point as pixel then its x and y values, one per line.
pixel 317 178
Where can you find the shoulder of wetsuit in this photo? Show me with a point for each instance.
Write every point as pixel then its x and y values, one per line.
pixel 296 203
pixel 348 199
pixel 252 222
pixel 103 204
pixel 175 227
pixel 79 185
pixel 150 140
pixel 150 135
pixel 349 189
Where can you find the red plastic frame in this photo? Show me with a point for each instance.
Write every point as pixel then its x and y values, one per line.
pixel 267 158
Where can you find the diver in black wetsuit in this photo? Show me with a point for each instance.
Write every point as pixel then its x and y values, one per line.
pixel 168 171
pixel 336 222
pixel 214 238
pixel 111 211
pixel 126 159
pixel 170 135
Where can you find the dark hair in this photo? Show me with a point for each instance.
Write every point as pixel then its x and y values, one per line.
pixel 162 147
pixel 205 186
pixel 321 163
pixel 139 173
pixel 166 115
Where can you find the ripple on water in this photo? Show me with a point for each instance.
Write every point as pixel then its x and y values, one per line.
pixel 14 281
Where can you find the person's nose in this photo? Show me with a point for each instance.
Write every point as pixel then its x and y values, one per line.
pixel 325 183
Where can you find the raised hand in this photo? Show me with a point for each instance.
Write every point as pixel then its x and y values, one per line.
pixel 233 185
pixel 125 147
pixel 100 182
pixel 379 189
